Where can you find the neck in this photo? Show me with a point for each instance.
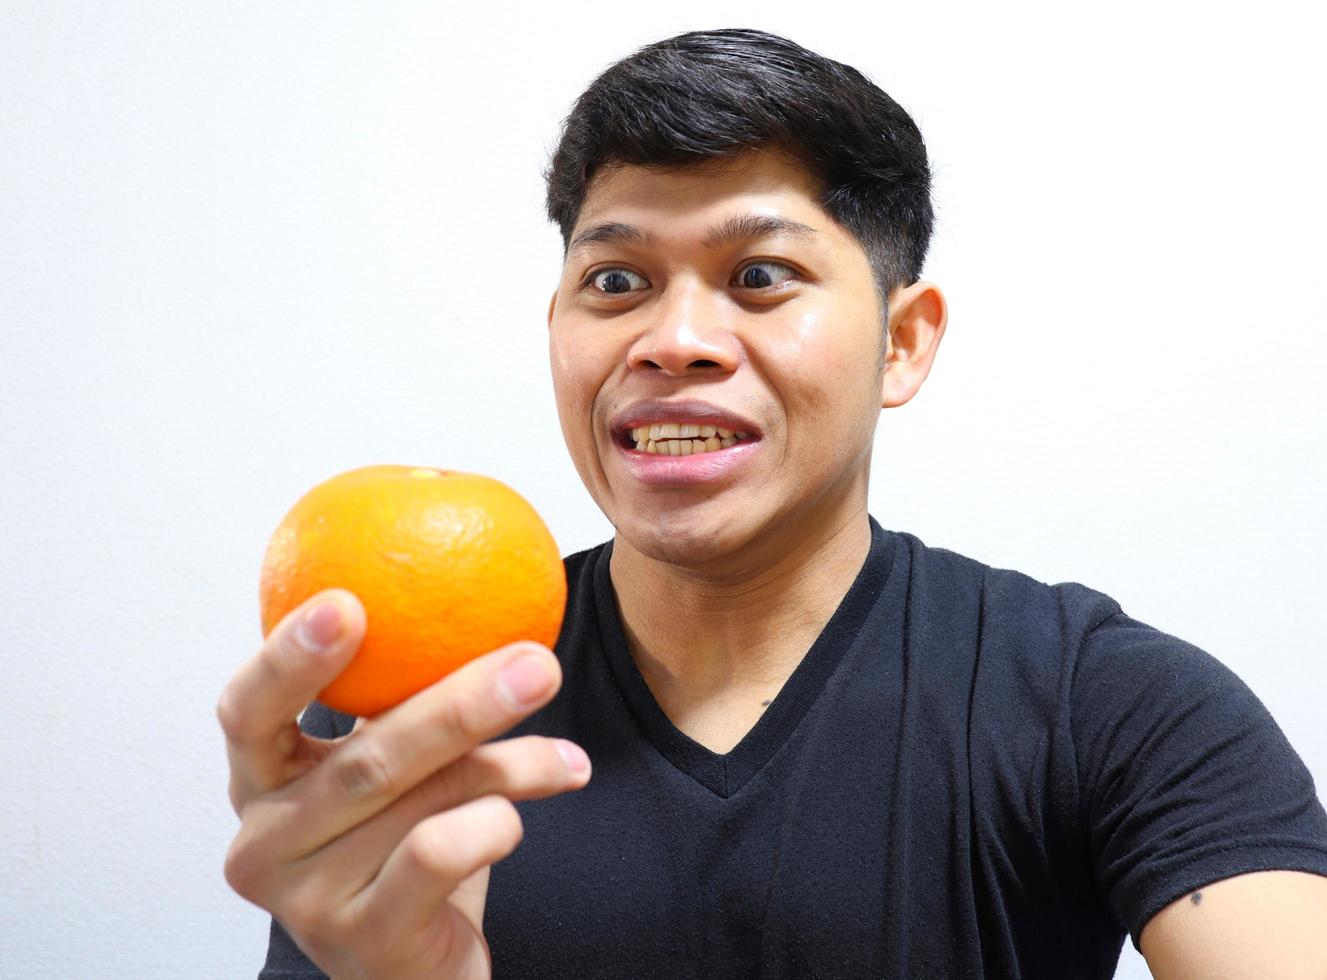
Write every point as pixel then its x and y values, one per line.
pixel 741 624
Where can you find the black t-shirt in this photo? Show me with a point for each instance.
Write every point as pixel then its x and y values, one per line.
pixel 971 773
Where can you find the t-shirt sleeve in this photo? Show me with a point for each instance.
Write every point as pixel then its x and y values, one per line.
pixel 285 960
pixel 1184 776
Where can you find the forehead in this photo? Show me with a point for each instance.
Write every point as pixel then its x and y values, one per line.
pixel 759 191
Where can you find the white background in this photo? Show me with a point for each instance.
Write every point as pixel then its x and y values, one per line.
pixel 245 246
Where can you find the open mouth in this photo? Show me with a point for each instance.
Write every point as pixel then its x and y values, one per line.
pixel 680 438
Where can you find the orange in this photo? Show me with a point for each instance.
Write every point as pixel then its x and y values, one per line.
pixel 447 565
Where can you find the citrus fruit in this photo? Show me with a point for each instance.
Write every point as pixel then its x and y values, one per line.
pixel 447 565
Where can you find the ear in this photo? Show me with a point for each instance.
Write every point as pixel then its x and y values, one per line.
pixel 917 318
pixel 551 304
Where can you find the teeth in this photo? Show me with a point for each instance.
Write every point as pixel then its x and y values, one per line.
pixel 684 447
pixel 676 430
pixel 684 439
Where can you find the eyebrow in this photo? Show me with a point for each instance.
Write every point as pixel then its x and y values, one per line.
pixel 739 228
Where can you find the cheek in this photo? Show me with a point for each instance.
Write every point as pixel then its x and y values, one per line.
pixel 575 384
pixel 823 366
pixel 822 369
pixel 566 368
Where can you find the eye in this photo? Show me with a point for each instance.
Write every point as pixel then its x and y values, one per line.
pixel 762 279
pixel 614 281
pixel 611 282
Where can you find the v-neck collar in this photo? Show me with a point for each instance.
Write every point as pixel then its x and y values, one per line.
pixel 725 774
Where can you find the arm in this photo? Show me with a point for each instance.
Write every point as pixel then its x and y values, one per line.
pixel 1188 785
pixel 1270 924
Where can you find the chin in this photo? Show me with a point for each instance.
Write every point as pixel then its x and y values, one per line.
pixel 679 539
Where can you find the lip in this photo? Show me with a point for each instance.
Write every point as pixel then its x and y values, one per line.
pixel 653 469
pixel 656 470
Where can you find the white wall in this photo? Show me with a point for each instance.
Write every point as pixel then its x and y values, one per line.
pixel 244 246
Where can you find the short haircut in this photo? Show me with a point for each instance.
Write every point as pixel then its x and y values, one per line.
pixel 705 95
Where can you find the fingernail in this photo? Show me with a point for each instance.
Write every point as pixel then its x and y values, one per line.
pixel 574 756
pixel 320 626
pixel 524 680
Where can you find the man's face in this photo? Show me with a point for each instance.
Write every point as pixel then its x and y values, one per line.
pixel 775 335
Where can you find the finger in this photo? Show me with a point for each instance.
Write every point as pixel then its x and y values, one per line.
pixel 417 880
pixel 394 752
pixel 258 707
pixel 471 896
pixel 527 768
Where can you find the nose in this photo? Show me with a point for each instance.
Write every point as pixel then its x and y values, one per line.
pixel 686 332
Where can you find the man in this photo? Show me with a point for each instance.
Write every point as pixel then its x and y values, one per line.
pixel 820 747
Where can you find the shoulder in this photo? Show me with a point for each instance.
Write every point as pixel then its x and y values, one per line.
pixel 1071 647
pixel 581 568
pixel 1146 701
pixel 1121 649
pixel 579 562
pixel 1185 777
pixel 1011 613
pixel 586 572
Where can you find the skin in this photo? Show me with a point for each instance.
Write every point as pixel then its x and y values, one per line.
pixel 373 850
pixel 763 558
pixel 1250 927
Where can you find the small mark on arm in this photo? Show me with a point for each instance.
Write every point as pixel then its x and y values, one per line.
pixel 1196 898
pixel 766 703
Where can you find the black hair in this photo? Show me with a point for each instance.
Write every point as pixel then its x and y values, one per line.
pixel 706 95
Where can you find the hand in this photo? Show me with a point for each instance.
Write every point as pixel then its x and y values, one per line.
pixel 373 849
